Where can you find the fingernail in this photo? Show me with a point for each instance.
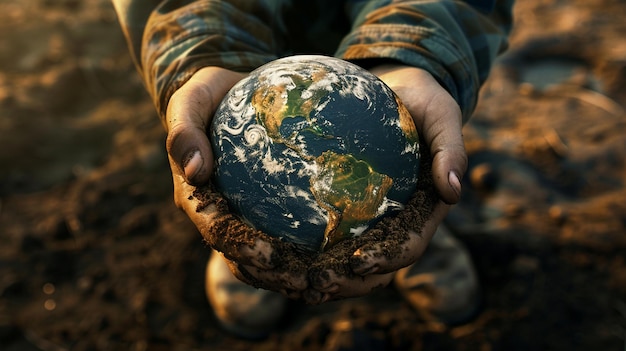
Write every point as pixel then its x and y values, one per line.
pixel 455 183
pixel 333 288
pixel 364 269
pixel 368 271
pixel 325 298
pixel 192 164
pixel 261 264
pixel 294 295
pixel 361 263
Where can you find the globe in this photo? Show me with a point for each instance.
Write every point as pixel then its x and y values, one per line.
pixel 314 150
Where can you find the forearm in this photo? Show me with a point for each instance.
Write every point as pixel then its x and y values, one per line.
pixel 453 41
pixel 171 40
pixel 132 16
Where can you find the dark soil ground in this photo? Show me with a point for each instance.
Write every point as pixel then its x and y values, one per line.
pixel 95 256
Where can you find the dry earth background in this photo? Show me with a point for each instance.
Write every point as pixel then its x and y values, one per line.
pixel 95 256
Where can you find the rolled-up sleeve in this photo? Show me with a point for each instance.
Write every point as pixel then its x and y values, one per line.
pixel 173 39
pixel 453 40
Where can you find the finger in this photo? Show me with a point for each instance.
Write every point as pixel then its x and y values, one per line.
pixel 189 112
pixel 222 230
pixel 345 287
pixel 438 119
pixel 288 283
pixel 369 259
pixel 441 130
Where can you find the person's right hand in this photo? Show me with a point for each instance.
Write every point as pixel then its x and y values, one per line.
pixel 254 256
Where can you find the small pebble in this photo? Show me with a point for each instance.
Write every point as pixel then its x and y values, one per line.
pixel 526 89
pixel 513 210
pixel 48 289
pixel 483 177
pixel 557 214
pixel 525 265
pixel 50 305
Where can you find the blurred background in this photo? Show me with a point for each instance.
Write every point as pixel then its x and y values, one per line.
pixel 95 256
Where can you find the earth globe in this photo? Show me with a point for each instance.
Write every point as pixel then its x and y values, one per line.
pixel 314 150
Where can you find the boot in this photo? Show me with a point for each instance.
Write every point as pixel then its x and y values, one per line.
pixel 443 285
pixel 242 309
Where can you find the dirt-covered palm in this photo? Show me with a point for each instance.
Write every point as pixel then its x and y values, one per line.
pixel 438 120
pixel 255 257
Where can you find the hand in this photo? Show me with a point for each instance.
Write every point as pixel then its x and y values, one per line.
pixel 438 120
pixel 255 257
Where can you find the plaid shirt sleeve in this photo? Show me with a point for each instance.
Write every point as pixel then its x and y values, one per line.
pixel 170 40
pixel 456 41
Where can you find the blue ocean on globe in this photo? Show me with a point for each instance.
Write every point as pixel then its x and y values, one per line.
pixel 314 150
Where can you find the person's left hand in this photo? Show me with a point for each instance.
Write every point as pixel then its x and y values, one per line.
pixel 439 121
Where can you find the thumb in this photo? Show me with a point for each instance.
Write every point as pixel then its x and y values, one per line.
pixel 441 128
pixel 189 113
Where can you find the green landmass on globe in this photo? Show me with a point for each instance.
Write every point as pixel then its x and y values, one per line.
pixel 350 190
pixel 314 150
